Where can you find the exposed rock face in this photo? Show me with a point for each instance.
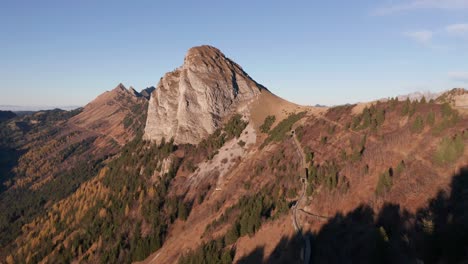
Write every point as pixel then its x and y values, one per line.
pixel 457 97
pixel 192 101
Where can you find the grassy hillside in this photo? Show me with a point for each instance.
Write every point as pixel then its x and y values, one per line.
pixel 383 184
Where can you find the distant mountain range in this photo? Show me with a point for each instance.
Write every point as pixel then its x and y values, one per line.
pixel 20 108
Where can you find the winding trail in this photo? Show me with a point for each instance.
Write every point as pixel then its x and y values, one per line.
pixel 297 227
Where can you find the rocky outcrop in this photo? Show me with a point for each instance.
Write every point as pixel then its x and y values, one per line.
pixel 192 101
pixel 457 97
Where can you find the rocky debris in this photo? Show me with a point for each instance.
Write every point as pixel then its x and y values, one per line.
pixel 193 101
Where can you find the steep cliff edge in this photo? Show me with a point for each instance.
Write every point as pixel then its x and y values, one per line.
pixel 192 101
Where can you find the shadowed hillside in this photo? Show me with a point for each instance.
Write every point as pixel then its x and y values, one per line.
pixel 436 233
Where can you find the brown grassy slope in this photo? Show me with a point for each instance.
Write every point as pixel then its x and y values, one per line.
pixel 219 182
pixel 385 147
pixel 109 113
pixel 59 154
pixel 97 131
pixel 270 104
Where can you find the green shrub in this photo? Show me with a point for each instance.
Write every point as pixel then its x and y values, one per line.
pixel 235 126
pixel 309 154
pixel 266 126
pixel 418 125
pixel 212 252
pixel 430 119
pixel 323 140
pixel 449 150
pixel 299 132
pixel 372 117
pixel 406 107
pixel 232 234
pixel 280 131
pixel 326 174
pixel 384 184
pixel 400 167
pixel 450 118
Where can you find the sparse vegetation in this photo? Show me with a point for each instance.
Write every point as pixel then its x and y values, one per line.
pixel 278 133
pixel 372 117
pixel 384 184
pixel 266 126
pixel 234 127
pixel 418 125
pixel 250 212
pixel 326 174
pixel 450 118
pixel 409 107
pixel 209 146
pixel 430 119
pixel 212 252
pixel 449 150
pixel 324 140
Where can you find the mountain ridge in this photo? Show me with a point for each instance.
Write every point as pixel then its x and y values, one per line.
pixel 196 98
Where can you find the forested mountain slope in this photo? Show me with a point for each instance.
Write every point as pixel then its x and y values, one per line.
pixel 48 154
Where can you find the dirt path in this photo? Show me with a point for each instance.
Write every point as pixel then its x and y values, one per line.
pixel 303 179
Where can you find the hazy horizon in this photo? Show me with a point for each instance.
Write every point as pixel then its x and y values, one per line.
pixel 61 54
pixel 21 108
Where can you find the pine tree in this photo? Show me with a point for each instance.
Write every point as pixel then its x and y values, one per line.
pixel 232 234
pixel 418 125
pixel 182 211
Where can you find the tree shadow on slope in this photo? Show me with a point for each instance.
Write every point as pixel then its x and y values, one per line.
pixel 288 250
pixel 437 233
pixel 8 160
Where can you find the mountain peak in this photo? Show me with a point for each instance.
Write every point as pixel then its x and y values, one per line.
pixel 133 92
pixel 203 52
pixel 120 87
pixel 195 99
pixel 208 59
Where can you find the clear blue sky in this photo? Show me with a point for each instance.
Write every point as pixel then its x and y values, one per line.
pixel 309 52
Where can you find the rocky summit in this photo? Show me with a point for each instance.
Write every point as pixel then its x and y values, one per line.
pixel 192 101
